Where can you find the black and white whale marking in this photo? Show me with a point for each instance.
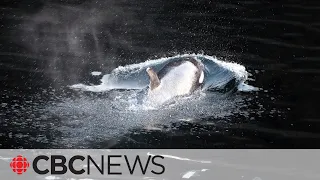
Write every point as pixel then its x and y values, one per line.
pixel 177 78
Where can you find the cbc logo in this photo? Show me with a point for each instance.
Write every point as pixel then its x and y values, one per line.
pixel 19 164
pixel 60 164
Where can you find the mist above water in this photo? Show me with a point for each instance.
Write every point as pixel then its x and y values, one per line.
pixel 70 39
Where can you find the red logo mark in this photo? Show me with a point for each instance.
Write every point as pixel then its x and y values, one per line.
pixel 19 164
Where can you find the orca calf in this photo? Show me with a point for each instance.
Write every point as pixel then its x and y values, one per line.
pixel 177 78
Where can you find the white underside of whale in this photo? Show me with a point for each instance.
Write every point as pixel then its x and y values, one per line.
pixel 177 82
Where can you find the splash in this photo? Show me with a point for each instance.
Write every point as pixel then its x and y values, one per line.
pixel 218 74
pixel 114 107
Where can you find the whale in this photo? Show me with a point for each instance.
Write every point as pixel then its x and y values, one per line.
pixel 177 78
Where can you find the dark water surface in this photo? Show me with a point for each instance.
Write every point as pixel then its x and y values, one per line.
pixel 48 45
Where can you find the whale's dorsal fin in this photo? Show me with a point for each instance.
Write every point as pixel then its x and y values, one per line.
pixel 154 79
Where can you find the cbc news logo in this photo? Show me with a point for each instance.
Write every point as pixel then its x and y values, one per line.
pixel 19 164
pixel 59 164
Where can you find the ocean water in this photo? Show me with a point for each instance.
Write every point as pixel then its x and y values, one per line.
pixel 73 74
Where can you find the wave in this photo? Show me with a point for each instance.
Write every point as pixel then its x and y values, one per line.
pixel 219 75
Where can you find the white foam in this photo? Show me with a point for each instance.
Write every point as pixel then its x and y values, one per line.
pixel 114 115
pixel 96 73
pixel 96 88
pixel 247 88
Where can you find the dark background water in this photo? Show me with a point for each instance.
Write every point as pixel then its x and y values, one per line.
pixel 47 45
